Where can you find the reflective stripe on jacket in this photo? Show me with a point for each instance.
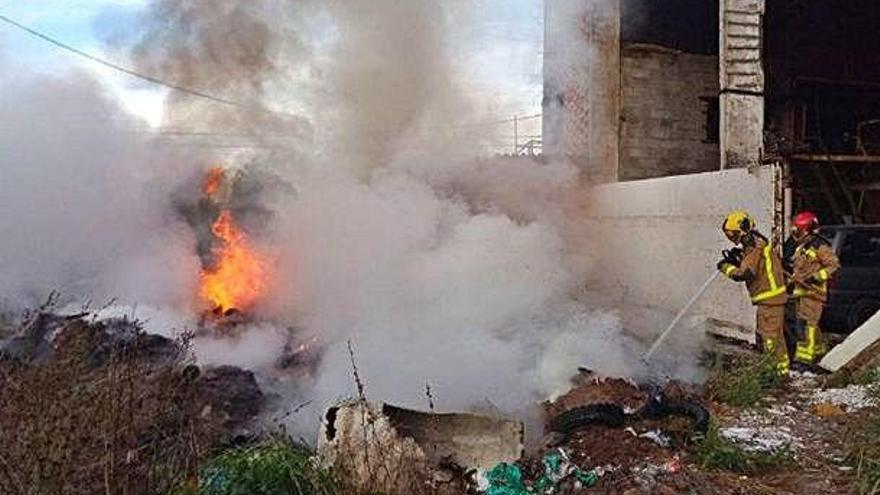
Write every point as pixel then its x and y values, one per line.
pixel 813 264
pixel 761 270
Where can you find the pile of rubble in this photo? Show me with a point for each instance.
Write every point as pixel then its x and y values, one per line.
pixel 603 432
pixel 605 435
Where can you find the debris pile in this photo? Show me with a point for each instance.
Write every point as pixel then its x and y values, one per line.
pixel 380 447
pixel 559 475
pixel 228 397
pixel 629 434
pixel 605 435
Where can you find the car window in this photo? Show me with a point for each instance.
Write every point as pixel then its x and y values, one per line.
pixel 861 248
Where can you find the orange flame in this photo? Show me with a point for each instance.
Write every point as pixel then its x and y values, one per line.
pixel 240 274
pixel 213 181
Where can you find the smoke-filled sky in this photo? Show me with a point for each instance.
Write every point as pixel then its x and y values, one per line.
pixel 384 229
pixel 502 49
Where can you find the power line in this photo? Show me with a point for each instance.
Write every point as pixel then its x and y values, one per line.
pixel 504 121
pixel 116 67
pixel 182 89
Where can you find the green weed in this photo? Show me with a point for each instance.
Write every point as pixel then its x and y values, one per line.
pixel 742 381
pixel 275 467
pixel 714 451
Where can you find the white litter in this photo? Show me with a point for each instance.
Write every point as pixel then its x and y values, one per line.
pixel 802 379
pixel 762 439
pixel 851 398
pixel 657 437
pixel 606 469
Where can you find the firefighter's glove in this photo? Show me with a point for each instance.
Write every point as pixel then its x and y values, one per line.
pixel 732 256
pixel 735 255
pixel 726 267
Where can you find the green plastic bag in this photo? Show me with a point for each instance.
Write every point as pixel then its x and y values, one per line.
pixel 587 478
pixel 557 468
pixel 506 479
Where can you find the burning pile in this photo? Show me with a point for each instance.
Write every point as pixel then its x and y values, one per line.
pixel 238 275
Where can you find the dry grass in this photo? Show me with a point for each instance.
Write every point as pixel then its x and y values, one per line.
pixel 102 416
pixel 97 418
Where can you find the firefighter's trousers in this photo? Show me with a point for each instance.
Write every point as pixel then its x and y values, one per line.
pixel 810 346
pixel 770 322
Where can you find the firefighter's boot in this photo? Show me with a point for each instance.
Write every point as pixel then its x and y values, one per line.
pixel 811 348
pixel 781 361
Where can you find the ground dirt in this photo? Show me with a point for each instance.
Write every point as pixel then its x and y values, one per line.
pixel 800 417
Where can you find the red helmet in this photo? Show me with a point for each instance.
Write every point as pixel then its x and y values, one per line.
pixel 805 222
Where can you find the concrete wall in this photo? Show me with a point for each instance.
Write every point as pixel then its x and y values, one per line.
pixel 659 239
pixel 663 118
pixel 582 84
pixel 741 75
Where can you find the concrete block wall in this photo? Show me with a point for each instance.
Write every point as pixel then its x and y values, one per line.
pixel 661 238
pixel 663 119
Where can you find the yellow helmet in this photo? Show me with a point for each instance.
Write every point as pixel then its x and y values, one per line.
pixel 736 224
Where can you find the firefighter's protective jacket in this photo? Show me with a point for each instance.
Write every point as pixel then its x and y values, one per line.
pixel 813 264
pixel 761 270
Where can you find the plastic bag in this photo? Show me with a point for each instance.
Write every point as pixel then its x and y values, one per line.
pixel 506 479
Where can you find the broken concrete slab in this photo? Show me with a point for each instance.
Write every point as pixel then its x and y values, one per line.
pixel 393 449
pixel 859 347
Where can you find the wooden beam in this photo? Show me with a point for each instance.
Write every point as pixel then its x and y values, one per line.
pixel 838 83
pixel 839 158
pixel 870 186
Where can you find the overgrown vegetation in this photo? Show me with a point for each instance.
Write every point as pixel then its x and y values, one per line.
pixel 742 380
pixel 868 377
pixel 714 451
pixel 275 467
pixel 863 440
pixel 94 415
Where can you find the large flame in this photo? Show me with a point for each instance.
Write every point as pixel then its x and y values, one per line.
pixel 239 275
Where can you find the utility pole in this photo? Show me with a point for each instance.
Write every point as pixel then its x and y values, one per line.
pixel 515 135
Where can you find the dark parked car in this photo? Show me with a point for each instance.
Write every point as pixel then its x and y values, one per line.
pixel 854 294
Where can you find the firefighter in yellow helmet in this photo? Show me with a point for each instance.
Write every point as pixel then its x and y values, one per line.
pixel 813 263
pixel 758 264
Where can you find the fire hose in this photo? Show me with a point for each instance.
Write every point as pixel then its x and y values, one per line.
pixel 696 297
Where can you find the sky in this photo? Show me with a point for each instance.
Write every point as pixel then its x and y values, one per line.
pixel 502 54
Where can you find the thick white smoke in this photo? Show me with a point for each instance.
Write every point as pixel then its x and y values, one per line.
pixel 455 272
pixel 477 304
pixel 82 198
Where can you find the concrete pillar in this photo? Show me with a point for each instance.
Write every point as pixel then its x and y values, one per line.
pixel 582 84
pixel 742 82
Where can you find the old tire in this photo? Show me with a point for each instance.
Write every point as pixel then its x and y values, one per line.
pixel 693 410
pixel 580 417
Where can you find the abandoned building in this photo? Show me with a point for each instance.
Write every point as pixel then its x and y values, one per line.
pixel 685 109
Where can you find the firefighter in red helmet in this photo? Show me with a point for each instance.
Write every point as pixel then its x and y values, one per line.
pixel 812 264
